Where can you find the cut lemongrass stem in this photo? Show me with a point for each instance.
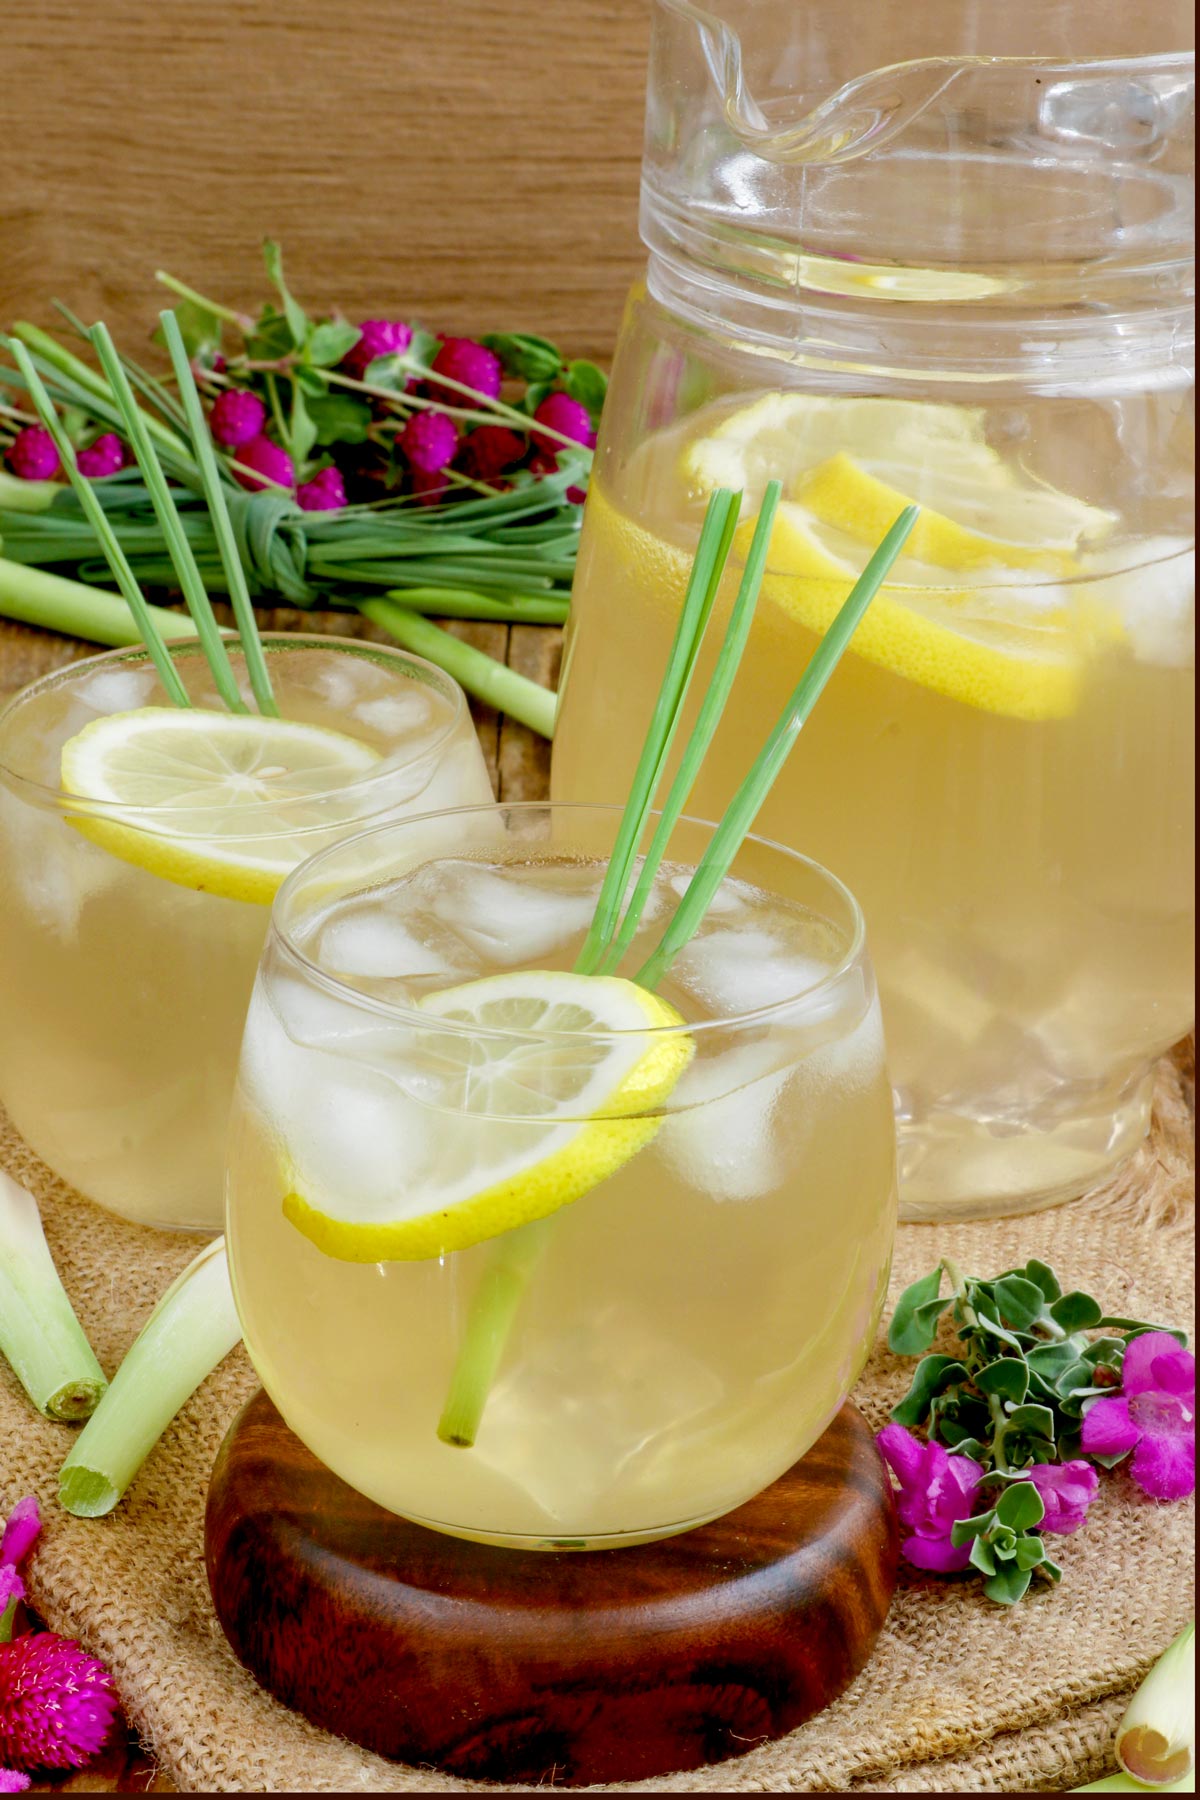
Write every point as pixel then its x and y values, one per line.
pixel 192 1329
pixel 26 496
pixel 493 1309
pixel 712 708
pixel 179 549
pixel 744 808
pixel 142 613
pixel 715 537
pixel 36 597
pixel 481 675
pixel 214 493
pixel 39 1333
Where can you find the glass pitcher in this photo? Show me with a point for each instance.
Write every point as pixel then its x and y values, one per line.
pixel 936 253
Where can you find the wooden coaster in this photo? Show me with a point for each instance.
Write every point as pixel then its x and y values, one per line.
pixel 526 1666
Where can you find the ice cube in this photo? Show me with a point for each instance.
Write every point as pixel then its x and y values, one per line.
pixel 512 916
pixel 369 941
pixel 403 714
pixel 118 690
pixel 736 970
pixel 1156 601
pixel 727 1142
pixel 54 870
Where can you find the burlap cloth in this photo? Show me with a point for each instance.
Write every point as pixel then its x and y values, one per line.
pixel 959 1695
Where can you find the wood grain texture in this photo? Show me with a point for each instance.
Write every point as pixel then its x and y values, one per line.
pixel 511 1665
pixel 472 163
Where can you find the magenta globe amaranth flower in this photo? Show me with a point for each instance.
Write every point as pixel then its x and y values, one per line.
pixel 1154 1415
pixel 379 337
pixel 14 1781
pixel 1066 1490
pixel 566 418
pixel 489 450
pixel 56 1702
pixel 469 364
pixel 106 456
pixel 32 456
pixel 428 442
pixel 237 417
pixel 936 1491
pixel 268 459
pixel 326 492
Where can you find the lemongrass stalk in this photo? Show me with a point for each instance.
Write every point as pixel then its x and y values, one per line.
pixel 52 352
pixel 39 1333
pixel 466 603
pixel 214 493
pixel 194 591
pixel 100 617
pixel 1125 1784
pixel 481 675
pixel 118 562
pixel 493 1308
pixel 1156 1740
pixel 190 1331
pixel 26 496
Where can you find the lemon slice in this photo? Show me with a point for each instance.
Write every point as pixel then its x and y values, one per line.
pixel 1042 527
pixel 529 1123
pixel 209 800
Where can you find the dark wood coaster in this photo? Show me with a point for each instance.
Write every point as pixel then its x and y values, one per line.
pixel 514 1665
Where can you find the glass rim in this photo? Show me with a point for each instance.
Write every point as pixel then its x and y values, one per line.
pixel 133 816
pixel 281 935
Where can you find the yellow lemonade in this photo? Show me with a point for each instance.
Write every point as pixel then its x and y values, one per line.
pixel 129 937
pixel 1001 767
pixel 688 1325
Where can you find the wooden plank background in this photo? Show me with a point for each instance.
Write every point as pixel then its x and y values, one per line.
pixel 472 163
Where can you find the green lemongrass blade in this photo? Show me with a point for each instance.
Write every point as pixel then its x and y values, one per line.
pixel 744 807
pixel 145 383
pixel 117 561
pixel 473 669
pixel 493 1308
pixel 81 376
pixel 214 493
pixel 192 1329
pixel 37 598
pixel 711 710
pixel 39 1333
pixel 468 603
pixel 715 537
pixel 194 592
pixel 26 496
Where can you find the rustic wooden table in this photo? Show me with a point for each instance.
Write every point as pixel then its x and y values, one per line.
pixel 518 762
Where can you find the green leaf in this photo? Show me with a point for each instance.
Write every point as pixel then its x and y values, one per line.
pixel 981 1556
pixel 1021 1302
pixel 340 419
pixel 933 1373
pixel 1038 1421
pixel 423 347
pixel 905 1337
pixel 1020 1506
pixel 1008 1586
pixel 587 384
pixel 1050 1568
pixel 1030 1552
pixel 1136 1327
pixel 1108 1350
pixel 970 1446
pixel 1006 1377
pixel 963 1530
pixel 529 357
pixel 297 318
pixel 1076 1312
pixel 302 432
pixel 271 337
pixel 200 328
pixel 329 341
pixel 1076 1374
pixel 996 1330
pixel 1049 1360
pixel 535 393
pixel 1042 1276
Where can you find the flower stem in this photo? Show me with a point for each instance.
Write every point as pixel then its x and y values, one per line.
pixel 242 320
pixel 39 1333
pixel 192 1329
pixel 479 673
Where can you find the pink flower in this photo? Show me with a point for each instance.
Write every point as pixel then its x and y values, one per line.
pixel 1154 1415
pixel 428 441
pixel 261 454
pixel 24 1523
pixel 380 337
pixel 1067 1490
pixel 237 417
pixel 326 492
pixel 568 418
pixel 104 457
pixel 489 450
pixel 13 1781
pixel 56 1702
pixel 936 1490
pixel 11 1588
pixel 428 485
pixel 32 456
pixel 472 365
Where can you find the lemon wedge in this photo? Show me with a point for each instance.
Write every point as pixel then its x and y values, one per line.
pixel 224 803
pixel 529 1123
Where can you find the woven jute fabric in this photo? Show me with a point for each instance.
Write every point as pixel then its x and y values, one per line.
pixel 959 1696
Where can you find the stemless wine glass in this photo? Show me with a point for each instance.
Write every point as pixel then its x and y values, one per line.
pixel 124 967
pixel 667 1342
